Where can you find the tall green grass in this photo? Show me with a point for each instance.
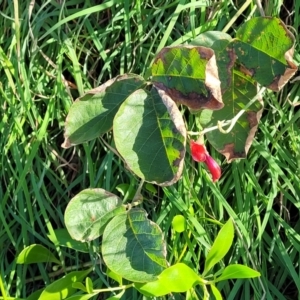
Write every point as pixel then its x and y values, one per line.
pixel 50 53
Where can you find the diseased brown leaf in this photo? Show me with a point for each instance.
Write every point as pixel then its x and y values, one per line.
pixel 189 75
pixel 236 143
pixel 264 48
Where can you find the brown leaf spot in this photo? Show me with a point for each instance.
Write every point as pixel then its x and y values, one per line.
pixel 253 119
pixel 178 161
pixel 229 149
pixel 279 81
pixel 232 58
pixel 246 71
pixel 193 100
pixel 231 154
pixel 205 53
pixel 161 54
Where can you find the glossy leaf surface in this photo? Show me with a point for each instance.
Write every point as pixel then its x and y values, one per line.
pixel 220 246
pixel 237 271
pixel 62 288
pixel 178 278
pixel 36 254
pixel 89 211
pixel 62 238
pixel 179 223
pixel 116 297
pixel 133 247
pixel 150 135
pixel 82 297
pixel 216 292
pixel 92 114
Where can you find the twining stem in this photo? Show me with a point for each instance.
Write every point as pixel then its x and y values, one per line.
pixel 122 287
pixel 231 122
pixel 62 271
pixel 205 293
pixel 241 112
pixel 184 248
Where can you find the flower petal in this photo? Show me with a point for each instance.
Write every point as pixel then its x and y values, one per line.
pixel 213 167
pixel 198 151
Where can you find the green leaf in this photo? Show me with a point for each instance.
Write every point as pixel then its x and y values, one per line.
pixel 89 211
pixel 225 58
pixel 210 39
pixel 33 296
pixel 133 247
pixel 62 237
pixel 189 76
pixel 116 297
pixel 178 278
pixel 79 286
pixel 126 189
pixel 122 188
pixel 205 117
pixel 237 142
pixel 12 298
pixel 150 135
pixel 237 271
pixel 62 288
pixel 89 285
pixel 225 61
pixel 92 115
pixel 151 188
pixel 265 47
pixel 82 297
pixel 36 254
pixel 216 292
pixel 152 289
pixel 220 246
pixel 179 223
pixel 116 277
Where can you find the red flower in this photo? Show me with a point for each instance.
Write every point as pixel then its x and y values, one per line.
pixel 213 167
pixel 198 151
pixel 200 154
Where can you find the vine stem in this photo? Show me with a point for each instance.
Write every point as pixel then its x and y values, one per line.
pixel 184 248
pixel 122 287
pixel 231 122
pixel 205 293
pixel 60 271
